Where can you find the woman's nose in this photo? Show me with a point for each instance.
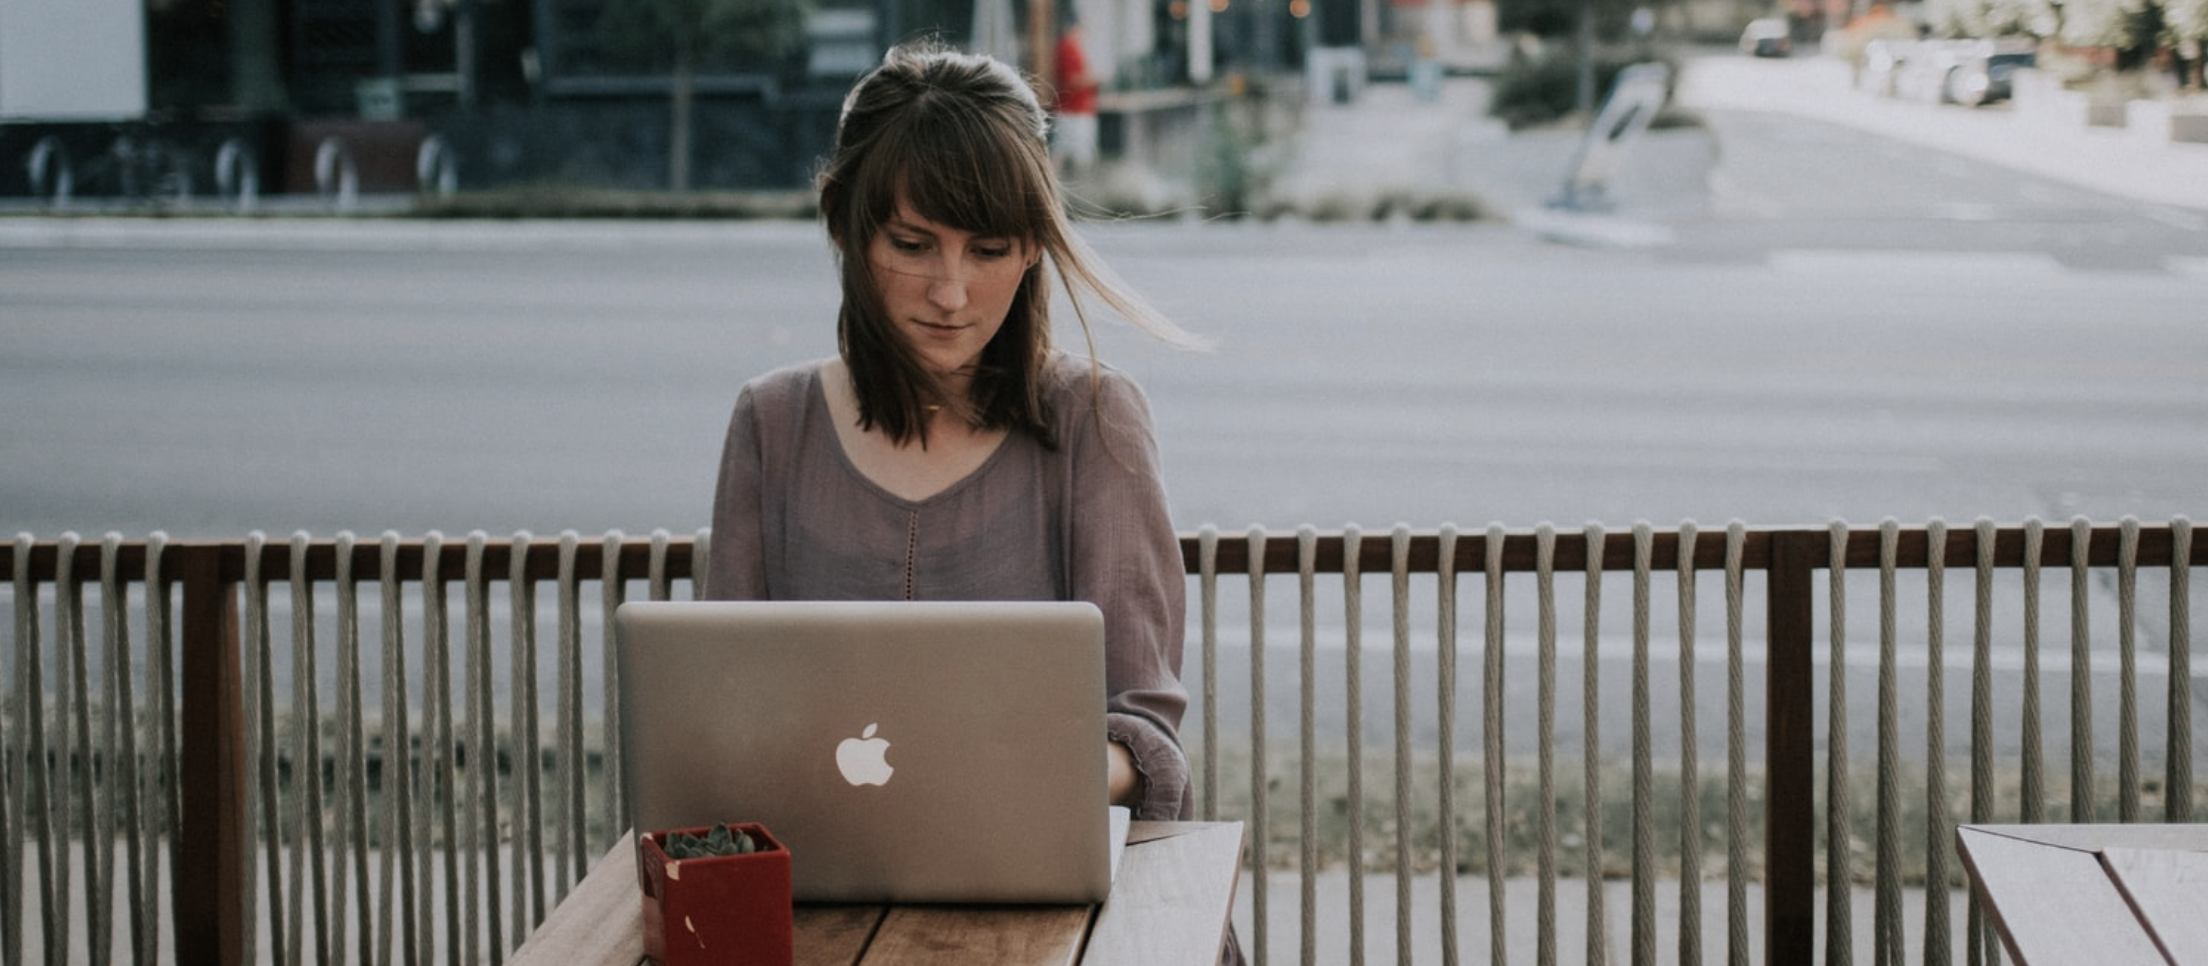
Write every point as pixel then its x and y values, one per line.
pixel 947 288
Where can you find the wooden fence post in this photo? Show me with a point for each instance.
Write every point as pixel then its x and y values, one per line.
pixel 208 858
pixel 1790 771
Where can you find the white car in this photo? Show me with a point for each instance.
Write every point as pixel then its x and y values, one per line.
pixel 1767 37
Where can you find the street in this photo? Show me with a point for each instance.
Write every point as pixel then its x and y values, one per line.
pixel 208 380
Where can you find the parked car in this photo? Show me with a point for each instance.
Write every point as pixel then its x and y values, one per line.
pixel 1969 72
pixel 1985 73
pixel 1767 37
pixel 1883 60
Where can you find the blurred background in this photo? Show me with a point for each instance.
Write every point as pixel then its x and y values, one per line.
pixel 168 101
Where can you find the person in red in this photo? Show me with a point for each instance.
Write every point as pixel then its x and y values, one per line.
pixel 1073 142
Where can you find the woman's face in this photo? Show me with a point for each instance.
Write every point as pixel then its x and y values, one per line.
pixel 947 291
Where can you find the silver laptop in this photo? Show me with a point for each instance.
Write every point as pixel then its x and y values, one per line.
pixel 904 752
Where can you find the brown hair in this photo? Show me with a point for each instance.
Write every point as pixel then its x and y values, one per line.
pixel 961 138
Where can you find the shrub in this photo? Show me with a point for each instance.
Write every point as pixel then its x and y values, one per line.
pixel 1544 88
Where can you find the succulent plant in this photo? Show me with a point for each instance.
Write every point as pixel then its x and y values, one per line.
pixel 720 841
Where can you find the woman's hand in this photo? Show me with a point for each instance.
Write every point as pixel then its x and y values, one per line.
pixel 1124 783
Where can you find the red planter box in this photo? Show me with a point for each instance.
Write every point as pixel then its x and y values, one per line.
pixel 729 910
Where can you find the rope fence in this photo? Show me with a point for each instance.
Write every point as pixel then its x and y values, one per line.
pixel 405 750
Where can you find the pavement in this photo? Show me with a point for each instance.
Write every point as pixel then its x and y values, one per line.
pixel 1390 141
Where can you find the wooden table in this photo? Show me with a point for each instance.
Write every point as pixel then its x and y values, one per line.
pixel 1168 907
pixel 2093 894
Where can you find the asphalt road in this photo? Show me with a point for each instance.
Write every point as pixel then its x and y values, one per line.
pixel 553 377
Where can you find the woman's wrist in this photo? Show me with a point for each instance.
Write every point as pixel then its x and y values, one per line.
pixel 1125 785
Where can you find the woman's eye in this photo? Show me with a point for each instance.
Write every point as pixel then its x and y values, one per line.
pixel 993 251
pixel 907 244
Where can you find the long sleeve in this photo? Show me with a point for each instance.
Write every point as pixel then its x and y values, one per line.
pixel 735 565
pixel 1126 558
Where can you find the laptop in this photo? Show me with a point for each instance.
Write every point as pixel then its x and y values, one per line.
pixel 905 752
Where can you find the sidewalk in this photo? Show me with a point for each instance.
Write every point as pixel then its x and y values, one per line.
pixel 2111 160
pixel 1388 141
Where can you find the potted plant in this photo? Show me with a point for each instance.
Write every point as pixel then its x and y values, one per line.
pixel 715 895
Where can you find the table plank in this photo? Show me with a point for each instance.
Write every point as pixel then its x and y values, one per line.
pixel 2166 887
pixel 2053 905
pixel 824 935
pixel 598 924
pixel 1171 901
pixel 964 935
pixel 2094 838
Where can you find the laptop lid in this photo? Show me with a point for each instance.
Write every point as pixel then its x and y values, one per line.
pixel 905 752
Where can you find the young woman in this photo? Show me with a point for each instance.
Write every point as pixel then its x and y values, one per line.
pixel 950 451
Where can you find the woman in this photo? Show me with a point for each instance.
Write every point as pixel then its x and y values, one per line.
pixel 949 452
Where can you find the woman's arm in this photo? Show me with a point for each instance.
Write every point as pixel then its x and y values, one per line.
pixel 735 562
pixel 1127 560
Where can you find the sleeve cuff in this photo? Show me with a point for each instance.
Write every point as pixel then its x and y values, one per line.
pixel 1161 763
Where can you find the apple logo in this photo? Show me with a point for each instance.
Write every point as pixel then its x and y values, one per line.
pixel 864 759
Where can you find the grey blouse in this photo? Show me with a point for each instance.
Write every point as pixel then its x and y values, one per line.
pixel 794 519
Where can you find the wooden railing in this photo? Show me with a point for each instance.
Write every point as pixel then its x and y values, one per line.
pixel 199 782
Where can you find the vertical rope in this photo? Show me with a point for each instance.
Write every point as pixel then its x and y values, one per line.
pixel 701 558
pixel 1644 792
pixel 1980 941
pixel 1839 871
pixel 78 821
pixel 404 756
pixel 660 586
pixel 1260 813
pixel 309 855
pixel 2127 672
pixel 1353 612
pixel 163 816
pixel 1496 766
pixel 1402 575
pixel 2177 782
pixel 1690 771
pixel 46 790
pixel 523 795
pixel 120 747
pixel 1737 949
pixel 1445 751
pixel 349 793
pixel 445 746
pixel 389 917
pixel 612 592
pixel 1939 829
pixel 1886 916
pixel 403 836
pixel 2034 797
pixel 1544 575
pixel 568 731
pixel 1307 553
pixel 303 723
pixel 1207 555
pixel 2081 674
pixel 1590 704
pixel 260 749
pixel 482 829
pixel 23 801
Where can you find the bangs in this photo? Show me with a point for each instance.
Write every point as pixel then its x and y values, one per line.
pixel 952 167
